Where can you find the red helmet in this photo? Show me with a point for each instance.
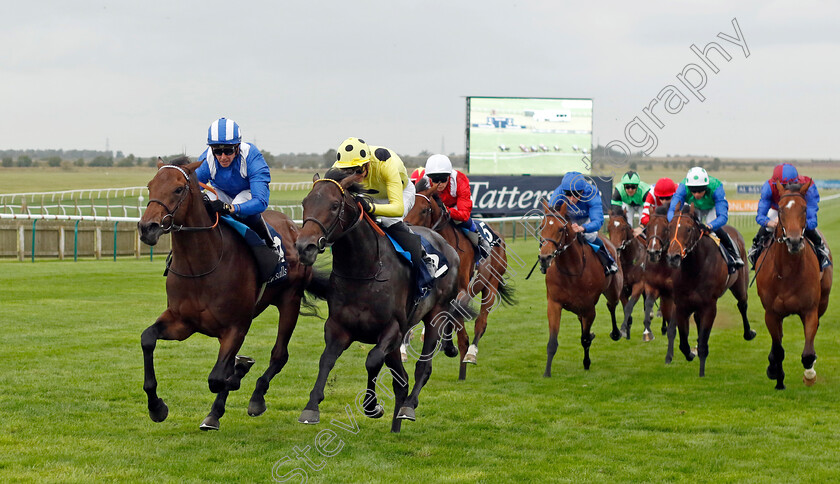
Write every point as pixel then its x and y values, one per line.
pixel 664 187
pixel 416 175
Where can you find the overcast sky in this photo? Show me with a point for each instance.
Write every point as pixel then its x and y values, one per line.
pixel 149 77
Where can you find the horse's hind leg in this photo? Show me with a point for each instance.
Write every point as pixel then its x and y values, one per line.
pixel 680 319
pixel 289 311
pixel 167 329
pixel 811 322
pixel 739 290
pixel 423 367
pixel 337 340
pixel 775 370
pixel 586 336
pixel 400 383
pixel 489 300
pixel 704 321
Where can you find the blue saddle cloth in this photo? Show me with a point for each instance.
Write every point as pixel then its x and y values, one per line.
pixel 281 270
pixel 423 281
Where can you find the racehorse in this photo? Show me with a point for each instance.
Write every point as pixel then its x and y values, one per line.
pixel 659 275
pixel 212 288
pixel 370 297
pixel 429 211
pixel 631 256
pixel 789 281
pixel 574 280
pixel 702 278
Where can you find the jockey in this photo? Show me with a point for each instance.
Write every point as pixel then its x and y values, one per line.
pixel 630 195
pixel 661 194
pixel 453 188
pixel 585 212
pixel 240 176
pixel 768 212
pixel 709 200
pixel 384 172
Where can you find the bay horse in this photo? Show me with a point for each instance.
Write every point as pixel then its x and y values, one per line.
pixel 370 295
pixel 429 211
pixel 631 256
pixel 574 280
pixel 212 288
pixel 789 281
pixel 659 281
pixel 701 280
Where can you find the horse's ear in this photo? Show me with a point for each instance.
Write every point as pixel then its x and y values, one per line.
pixel 350 180
pixel 544 203
pixel 779 187
pixel 563 209
pixel 193 166
pixel 804 188
pixel 160 162
pixel 316 177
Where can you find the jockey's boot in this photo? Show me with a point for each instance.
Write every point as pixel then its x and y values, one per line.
pixel 479 242
pixel 733 262
pixel 819 245
pixel 764 234
pixel 269 255
pixel 610 267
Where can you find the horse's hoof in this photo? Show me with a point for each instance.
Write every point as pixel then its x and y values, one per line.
pixel 406 413
pixel 780 385
pixel 749 335
pixel 647 336
pixel 771 374
pixel 310 417
pixel 256 407
pixel 668 360
pixel 450 350
pixel 377 412
pixel 159 412
pixel 615 336
pixel 210 423
pixel 470 359
pixel 810 377
pixel 403 356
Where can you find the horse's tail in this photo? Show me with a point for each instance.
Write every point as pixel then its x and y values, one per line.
pixel 316 289
pixel 508 294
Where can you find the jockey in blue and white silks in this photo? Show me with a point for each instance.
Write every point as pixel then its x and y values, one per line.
pixel 585 211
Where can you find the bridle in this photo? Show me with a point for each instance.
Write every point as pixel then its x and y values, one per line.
pixel 170 213
pixel 655 236
pixel 444 214
pixel 683 250
pixel 784 239
pixel 326 239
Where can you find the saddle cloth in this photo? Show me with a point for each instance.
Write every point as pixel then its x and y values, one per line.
pixel 281 269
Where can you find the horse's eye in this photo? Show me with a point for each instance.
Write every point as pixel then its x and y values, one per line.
pixel 335 206
pixel 179 190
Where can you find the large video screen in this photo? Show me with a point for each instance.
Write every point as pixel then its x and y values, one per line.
pixel 536 136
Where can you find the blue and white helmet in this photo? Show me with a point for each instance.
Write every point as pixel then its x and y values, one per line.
pixel 224 132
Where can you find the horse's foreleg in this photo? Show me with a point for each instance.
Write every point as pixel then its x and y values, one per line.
pixel 489 300
pixel 628 313
pixel 289 311
pixel 586 336
pixel 337 340
pixel 624 331
pixel 389 341
pixel 226 375
pixel 704 321
pixel 811 322
pixel 423 367
pixel 554 311
pixel 775 370
pixel 649 300
pixel 681 321
pixel 162 329
pixel 463 347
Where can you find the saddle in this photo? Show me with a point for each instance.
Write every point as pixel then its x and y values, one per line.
pixel 424 280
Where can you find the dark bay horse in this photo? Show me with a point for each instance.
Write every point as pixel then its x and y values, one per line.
pixel 702 278
pixel 489 281
pixel 212 288
pixel 789 281
pixel 631 256
pixel 574 280
pixel 370 297
pixel 659 281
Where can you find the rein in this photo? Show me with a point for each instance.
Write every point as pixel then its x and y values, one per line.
pixel 170 214
pixel 683 251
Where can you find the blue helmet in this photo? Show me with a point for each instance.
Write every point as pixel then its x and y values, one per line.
pixel 789 174
pixel 224 132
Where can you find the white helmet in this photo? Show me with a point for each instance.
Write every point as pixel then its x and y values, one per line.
pixel 438 164
pixel 696 177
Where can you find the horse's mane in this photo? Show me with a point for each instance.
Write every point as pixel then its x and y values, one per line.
pixel 339 174
pixel 179 160
pixel 661 210
pixel 422 184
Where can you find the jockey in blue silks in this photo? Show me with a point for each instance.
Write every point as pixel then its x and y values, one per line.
pixel 767 215
pixel 240 176
pixel 585 212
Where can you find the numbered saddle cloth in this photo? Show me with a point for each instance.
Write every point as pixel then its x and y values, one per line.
pixel 272 266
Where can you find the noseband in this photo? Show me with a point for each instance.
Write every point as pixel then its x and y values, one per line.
pixel 325 241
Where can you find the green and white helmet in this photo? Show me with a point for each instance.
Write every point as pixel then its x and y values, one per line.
pixel 696 177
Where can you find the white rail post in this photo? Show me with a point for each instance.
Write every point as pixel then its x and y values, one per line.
pixel 61 242
pixel 20 244
pixel 98 243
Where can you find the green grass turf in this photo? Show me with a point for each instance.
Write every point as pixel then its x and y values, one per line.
pixel 73 408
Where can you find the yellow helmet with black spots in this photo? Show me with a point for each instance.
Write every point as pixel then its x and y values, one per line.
pixel 352 152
